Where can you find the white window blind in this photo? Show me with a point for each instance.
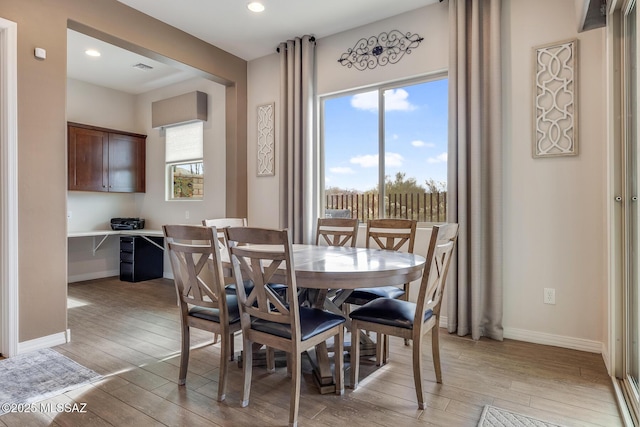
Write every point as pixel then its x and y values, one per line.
pixel 184 142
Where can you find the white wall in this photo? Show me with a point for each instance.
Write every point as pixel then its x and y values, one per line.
pixel 104 107
pixel 554 208
pixel 553 211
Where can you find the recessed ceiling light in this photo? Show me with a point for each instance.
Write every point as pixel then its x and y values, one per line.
pixel 92 52
pixel 255 6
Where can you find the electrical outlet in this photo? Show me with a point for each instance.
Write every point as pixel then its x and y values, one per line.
pixel 186 214
pixel 549 296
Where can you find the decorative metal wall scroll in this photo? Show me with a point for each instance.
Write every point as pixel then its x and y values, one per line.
pixel 386 48
pixel 555 132
pixel 266 140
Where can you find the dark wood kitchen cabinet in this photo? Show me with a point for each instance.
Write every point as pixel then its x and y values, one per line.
pixel 105 159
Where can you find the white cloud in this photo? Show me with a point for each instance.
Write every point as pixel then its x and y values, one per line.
pixel 440 158
pixel 366 161
pixel 371 160
pixel 342 170
pixel 395 100
pixel 365 101
pixel 419 143
pixel 393 159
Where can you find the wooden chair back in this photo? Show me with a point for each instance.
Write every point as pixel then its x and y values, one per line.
pixel 260 265
pixel 221 224
pixel 192 251
pixel 439 255
pixel 392 234
pixel 337 231
pixel 225 222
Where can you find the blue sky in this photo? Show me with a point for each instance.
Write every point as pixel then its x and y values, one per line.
pixel 415 134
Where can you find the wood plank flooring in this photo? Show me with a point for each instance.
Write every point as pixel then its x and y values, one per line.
pixel 129 333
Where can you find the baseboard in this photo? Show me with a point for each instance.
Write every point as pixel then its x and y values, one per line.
pixel 92 276
pixel 547 339
pixel 554 340
pixel 44 342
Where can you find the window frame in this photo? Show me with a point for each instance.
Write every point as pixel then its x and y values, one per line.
pixel 380 88
pixel 168 166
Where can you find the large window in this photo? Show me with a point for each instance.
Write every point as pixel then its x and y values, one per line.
pixel 385 152
pixel 184 160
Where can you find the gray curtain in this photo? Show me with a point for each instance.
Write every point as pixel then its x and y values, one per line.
pixel 475 168
pixel 297 118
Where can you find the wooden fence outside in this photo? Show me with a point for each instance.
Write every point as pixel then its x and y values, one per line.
pixel 423 207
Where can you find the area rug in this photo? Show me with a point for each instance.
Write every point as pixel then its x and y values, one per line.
pixel 39 375
pixel 498 417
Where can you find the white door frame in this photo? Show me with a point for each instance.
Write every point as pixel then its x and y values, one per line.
pixel 8 188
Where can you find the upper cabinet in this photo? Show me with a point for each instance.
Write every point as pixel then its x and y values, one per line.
pixel 105 159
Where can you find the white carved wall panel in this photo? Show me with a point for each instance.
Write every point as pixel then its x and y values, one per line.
pixel 555 130
pixel 266 140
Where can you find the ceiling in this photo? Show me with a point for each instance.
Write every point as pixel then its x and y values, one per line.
pixel 228 25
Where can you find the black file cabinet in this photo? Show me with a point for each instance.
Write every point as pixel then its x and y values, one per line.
pixel 140 259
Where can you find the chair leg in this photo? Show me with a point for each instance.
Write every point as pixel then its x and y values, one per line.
pixel 338 356
pixel 435 350
pixel 417 371
pixel 296 361
pixel 355 354
pixel 407 287
pixel 385 354
pixel 247 367
pixel 184 355
pixel 271 359
pixel 379 349
pixel 232 346
pixel 224 361
pixel 215 338
pixel 289 373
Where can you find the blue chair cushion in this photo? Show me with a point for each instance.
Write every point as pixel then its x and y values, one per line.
pixel 213 314
pixel 389 311
pixel 362 296
pixel 313 321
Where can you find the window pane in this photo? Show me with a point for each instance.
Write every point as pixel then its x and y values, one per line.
pixel 414 141
pixel 187 180
pixel 351 152
pixel 415 119
pixel 184 142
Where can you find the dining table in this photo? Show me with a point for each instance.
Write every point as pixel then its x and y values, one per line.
pixel 322 270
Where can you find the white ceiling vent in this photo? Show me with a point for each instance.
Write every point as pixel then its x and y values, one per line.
pixel 143 67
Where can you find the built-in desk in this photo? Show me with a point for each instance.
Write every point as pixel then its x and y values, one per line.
pixel 139 256
pixel 145 234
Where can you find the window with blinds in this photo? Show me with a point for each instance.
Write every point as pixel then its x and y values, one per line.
pixel 184 161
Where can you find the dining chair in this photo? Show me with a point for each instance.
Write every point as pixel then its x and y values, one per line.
pixel 222 223
pixel 204 304
pixel 267 318
pixel 410 320
pixel 392 234
pixel 337 231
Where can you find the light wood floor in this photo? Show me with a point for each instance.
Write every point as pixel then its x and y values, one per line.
pixel 128 332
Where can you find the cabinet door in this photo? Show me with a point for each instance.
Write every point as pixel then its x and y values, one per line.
pixel 88 156
pixel 126 163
